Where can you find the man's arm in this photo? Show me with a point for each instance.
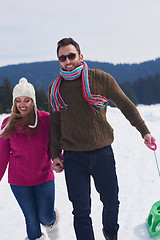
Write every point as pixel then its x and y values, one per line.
pixel 55 130
pixel 127 107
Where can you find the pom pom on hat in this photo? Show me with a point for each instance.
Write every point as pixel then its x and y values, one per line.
pixel 23 80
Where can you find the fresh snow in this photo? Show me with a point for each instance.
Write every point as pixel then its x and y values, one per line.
pixel 138 181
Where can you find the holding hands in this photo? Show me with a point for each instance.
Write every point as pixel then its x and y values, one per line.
pixel 57 165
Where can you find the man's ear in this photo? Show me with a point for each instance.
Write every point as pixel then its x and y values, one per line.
pixel 81 57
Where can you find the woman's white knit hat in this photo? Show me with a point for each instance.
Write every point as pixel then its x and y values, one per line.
pixel 24 88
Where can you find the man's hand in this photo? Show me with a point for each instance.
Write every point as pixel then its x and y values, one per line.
pixel 57 165
pixel 148 138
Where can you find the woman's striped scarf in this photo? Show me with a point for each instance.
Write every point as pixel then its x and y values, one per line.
pixel 57 102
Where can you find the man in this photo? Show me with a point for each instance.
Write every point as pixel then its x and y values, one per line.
pixel 78 101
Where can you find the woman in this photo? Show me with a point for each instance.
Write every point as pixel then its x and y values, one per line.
pixel 25 146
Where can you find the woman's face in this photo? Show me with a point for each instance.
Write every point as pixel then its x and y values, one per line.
pixel 23 104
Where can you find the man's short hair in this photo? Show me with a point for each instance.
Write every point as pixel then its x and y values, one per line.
pixel 66 41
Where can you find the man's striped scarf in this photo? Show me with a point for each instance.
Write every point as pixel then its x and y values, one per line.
pixel 57 102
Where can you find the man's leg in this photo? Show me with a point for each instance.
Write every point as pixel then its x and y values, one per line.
pixel 105 178
pixel 77 176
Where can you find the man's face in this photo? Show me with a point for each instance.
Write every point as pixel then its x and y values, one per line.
pixel 69 64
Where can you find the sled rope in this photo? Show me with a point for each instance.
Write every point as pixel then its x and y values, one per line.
pixel 154 149
pixel 157 163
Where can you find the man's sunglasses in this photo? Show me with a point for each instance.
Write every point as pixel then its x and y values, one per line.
pixel 70 56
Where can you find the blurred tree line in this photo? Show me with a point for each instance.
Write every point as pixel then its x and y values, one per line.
pixel 142 91
pixel 6 97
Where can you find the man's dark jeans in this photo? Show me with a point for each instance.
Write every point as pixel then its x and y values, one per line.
pixel 99 164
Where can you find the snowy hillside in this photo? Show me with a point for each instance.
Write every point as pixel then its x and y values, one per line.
pixel 138 178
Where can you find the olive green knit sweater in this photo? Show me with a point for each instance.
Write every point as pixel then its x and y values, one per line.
pixel 78 128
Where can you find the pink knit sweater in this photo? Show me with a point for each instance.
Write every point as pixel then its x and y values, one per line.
pixel 29 159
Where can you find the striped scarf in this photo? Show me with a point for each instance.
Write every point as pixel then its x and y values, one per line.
pixel 57 102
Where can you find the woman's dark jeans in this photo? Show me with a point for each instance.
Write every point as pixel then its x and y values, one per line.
pixel 99 164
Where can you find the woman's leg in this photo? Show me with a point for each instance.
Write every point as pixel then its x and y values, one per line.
pixel 45 196
pixel 26 199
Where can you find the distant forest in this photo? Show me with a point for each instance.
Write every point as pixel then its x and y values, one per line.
pixel 6 97
pixel 142 91
pixel 43 73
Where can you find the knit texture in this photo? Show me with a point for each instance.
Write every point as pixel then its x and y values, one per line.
pixel 77 128
pixel 28 159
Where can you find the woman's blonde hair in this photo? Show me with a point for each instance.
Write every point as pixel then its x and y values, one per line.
pixel 19 122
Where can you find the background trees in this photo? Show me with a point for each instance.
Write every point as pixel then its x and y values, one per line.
pixel 6 97
pixel 142 91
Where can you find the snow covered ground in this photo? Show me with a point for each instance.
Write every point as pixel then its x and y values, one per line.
pixel 138 181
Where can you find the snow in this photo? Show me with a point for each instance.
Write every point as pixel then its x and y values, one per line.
pixel 138 181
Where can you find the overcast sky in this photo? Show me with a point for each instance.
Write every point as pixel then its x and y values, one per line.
pixel 115 31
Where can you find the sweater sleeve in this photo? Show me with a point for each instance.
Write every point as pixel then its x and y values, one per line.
pixel 126 106
pixel 4 155
pixel 55 130
pixel 47 121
